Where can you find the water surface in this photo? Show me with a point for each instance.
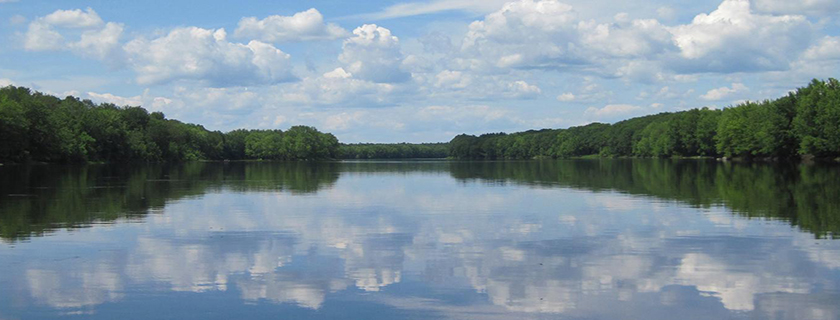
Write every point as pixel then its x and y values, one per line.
pixel 586 239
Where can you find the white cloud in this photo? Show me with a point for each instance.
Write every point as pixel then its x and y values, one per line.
pixel 338 73
pixel 589 91
pixel 302 26
pixel 521 89
pixel 205 55
pixel 452 79
pixel 145 100
pixel 97 39
pixel 566 97
pixel 73 18
pixel 42 37
pixel 374 54
pixel 612 110
pixel 101 44
pixel 828 48
pixel 637 38
pixel 733 38
pixel 724 92
pixel 642 71
pixel 339 87
pixel 6 82
pixel 525 33
pixel 117 100
pixel 547 34
pixel 343 121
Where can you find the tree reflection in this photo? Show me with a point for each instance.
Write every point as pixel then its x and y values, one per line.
pixel 804 195
pixel 38 199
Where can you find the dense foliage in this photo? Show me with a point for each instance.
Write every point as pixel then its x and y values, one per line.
pixel 394 151
pixel 39 127
pixel 806 122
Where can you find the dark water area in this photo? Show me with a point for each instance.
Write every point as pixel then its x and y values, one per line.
pixel 577 239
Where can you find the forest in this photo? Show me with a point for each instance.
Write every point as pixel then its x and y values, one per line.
pixel 44 128
pixel 394 151
pixel 805 122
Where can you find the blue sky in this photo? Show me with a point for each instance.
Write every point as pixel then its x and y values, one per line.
pixel 390 71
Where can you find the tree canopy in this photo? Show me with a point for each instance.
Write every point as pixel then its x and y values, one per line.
pixel 805 122
pixel 394 151
pixel 39 127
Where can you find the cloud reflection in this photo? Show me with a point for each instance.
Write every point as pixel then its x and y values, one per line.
pixel 541 251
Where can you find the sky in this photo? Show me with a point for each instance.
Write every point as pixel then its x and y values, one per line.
pixel 417 71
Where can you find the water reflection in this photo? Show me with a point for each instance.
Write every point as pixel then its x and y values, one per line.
pixel 508 240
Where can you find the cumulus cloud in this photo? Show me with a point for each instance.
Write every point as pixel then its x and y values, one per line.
pixel 340 87
pixel 96 39
pixel 101 44
pixel 588 91
pixel 724 92
pixel 206 55
pixel 828 48
pixel 566 97
pixel 525 33
pixel 452 79
pixel 302 26
pixel 42 37
pixel 637 38
pixel 374 54
pixel 522 89
pixel 643 71
pixel 733 39
pixel 548 34
pixel 73 18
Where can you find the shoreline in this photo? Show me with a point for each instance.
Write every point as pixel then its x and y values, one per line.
pixel 806 159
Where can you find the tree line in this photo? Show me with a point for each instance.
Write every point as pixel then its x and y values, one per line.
pixel 805 122
pixel 394 151
pixel 40 127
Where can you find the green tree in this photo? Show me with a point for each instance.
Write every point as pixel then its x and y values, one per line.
pixel 817 122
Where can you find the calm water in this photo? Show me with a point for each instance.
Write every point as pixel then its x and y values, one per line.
pixel 589 239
